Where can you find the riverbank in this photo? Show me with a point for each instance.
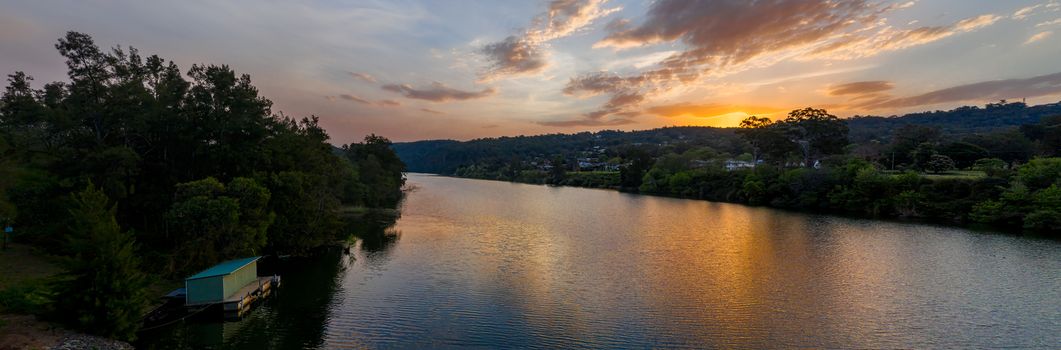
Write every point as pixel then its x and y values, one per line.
pixel 23 287
pixel 960 198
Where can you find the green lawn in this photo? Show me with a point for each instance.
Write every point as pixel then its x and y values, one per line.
pixel 947 175
pixel 20 263
pixel 957 174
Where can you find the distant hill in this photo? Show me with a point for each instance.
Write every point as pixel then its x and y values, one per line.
pixel 445 156
pixel 954 123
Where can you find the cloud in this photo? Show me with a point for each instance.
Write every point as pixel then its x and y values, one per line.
pixel 596 83
pixel 1043 85
pixel 587 122
pixel 389 103
pixel 513 56
pixel 362 76
pixel 707 110
pixel 888 38
pixel 438 92
pixel 432 111
pixel 718 36
pixel 524 53
pixel 860 88
pixel 1024 12
pixel 1049 23
pixel 1037 37
pixel 349 97
pixel 736 30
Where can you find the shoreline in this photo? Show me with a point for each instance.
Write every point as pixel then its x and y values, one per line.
pixel 976 227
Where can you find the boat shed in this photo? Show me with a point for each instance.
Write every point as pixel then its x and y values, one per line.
pixel 221 281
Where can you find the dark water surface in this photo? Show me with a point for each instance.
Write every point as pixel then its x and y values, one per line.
pixel 499 265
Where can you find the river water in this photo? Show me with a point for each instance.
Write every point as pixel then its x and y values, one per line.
pixel 488 264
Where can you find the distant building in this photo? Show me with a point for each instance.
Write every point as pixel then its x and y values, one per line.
pixel 700 163
pixel 733 164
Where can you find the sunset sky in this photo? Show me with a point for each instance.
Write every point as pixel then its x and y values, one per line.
pixel 412 70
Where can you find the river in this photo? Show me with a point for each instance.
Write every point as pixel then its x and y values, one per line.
pixel 474 263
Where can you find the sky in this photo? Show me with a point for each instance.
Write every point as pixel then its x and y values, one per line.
pixel 456 69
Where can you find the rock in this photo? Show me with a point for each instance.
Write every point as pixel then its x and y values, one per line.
pixel 84 341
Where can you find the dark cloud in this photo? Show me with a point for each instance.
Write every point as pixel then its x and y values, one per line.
pixel 587 122
pixel 725 36
pixel 513 56
pixel 1043 85
pixel 734 31
pixel 595 83
pixel 860 88
pixel 432 111
pixel 523 53
pixel 717 34
pixel 438 92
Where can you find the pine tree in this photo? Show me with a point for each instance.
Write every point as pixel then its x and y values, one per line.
pixel 105 291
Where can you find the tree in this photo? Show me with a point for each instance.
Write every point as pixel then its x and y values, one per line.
pixel 990 166
pixel 106 292
pixel 921 155
pixel 210 222
pixel 558 172
pixel 908 138
pixel 938 163
pixel 816 132
pixel 767 138
pixel 1047 133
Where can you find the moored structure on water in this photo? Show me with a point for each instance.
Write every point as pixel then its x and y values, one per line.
pixel 234 284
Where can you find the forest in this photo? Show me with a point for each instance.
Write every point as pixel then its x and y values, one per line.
pixel 996 165
pixel 134 171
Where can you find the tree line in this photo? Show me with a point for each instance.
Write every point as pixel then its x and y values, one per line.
pixel 134 165
pixel 809 160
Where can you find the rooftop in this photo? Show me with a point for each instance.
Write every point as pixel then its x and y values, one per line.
pixel 224 268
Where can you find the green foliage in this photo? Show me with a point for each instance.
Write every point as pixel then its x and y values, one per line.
pixel 1046 212
pixel 31 297
pixel 203 169
pixel 381 171
pixel 1033 200
pixel 990 166
pixel 210 222
pixel 106 292
pixel 1040 173
pixel 938 163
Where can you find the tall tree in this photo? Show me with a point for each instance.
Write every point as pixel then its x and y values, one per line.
pixel 816 132
pixel 106 291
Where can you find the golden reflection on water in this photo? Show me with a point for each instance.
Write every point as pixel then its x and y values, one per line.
pixel 537 266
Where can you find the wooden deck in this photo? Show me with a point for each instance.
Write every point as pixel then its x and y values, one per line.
pixel 237 304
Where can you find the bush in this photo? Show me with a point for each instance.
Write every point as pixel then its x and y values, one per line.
pixel 938 163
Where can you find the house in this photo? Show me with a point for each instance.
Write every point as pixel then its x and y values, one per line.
pixel 220 282
pixel 734 164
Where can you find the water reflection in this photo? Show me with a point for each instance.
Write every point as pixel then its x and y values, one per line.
pixel 296 316
pixel 498 265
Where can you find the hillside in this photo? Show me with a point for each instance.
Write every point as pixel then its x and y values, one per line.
pixel 446 156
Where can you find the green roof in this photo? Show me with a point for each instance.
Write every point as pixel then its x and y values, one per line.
pixel 224 268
